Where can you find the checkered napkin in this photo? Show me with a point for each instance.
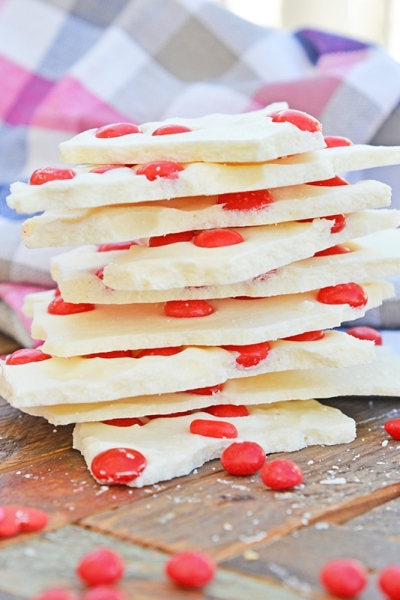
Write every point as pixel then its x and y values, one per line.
pixel 70 65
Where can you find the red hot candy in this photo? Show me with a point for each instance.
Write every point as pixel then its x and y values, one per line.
pixel 253 200
pixel 21 519
pixel 363 332
pixel 100 566
pixel 344 577
pixel 181 309
pixel 300 119
pixel 343 293
pixel 243 458
pixel 118 465
pixel 163 168
pixel 332 250
pixel 26 355
pixel 117 130
pixel 333 141
pixel 251 354
pixel 281 474
pixel 190 569
pixel 58 306
pixel 216 238
pixel 46 174
pixel 171 238
pixel 227 410
pixel 307 336
pixel 215 429
pixel 171 129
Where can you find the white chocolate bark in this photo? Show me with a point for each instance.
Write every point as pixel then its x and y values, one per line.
pixel 378 378
pixel 247 137
pixel 76 380
pixel 234 321
pixel 375 256
pixel 265 247
pixel 125 222
pixel 124 186
pixel 172 451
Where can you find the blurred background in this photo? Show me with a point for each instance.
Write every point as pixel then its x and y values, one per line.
pixel 367 20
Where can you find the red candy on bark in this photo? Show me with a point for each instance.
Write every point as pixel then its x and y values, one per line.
pixel 183 309
pixel 171 238
pixel 46 174
pixel 163 168
pixel 227 410
pixel 250 355
pixel 58 306
pixel 117 130
pixel 362 332
pixel 171 129
pixel 215 429
pixel 307 336
pixel 215 238
pixel 118 465
pixel 26 355
pixel 253 200
pixel 300 119
pixel 343 293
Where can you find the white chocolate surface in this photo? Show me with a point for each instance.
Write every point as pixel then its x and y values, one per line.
pixel 172 451
pixel 378 378
pixel 234 321
pixel 77 380
pixel 265 247
pixel 247 137
pixel 377 255
pixel 123 186
pixel 125 222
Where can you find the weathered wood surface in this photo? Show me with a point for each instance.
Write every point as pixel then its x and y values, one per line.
pixel 266 544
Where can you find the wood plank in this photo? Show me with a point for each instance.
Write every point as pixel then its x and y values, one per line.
pixel 229 515
pixel 50 560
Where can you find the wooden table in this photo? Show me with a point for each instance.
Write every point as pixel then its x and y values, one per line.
pixel 268 545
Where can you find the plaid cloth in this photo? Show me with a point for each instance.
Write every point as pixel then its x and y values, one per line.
pixel 69 65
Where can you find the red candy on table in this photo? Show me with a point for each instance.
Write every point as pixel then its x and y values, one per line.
pixel 56 594
pixel 343 293
pixel 26 355
pixel 300 119
pixel 344 577
pixel 392 427
pixel 182 309
pixel 362 332
pixel 389 582
pixel 171 129
pixel 243 458
pixel 216 238
pixel 163 168
pixel 46 174
pixel 117 130
pixel 281 474
pixel 21 519
pixel 100 566
pixel 118 465
pixel 190 569
pixel 215 429
pixel 253 200
pixel 58 306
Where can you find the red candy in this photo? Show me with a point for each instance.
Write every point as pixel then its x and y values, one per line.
pixel 206 391
pixel 171 238
pixel 333 141
pixel 243 458
pixel 190 569
pixel 392 427
pixel 251 354
pixel 344 577
pixel 215 238
pixel 58 306
pixel 115 246
pixel 215 429
pixel 227 410
pixel 362 332
pixel 26 355
pixel 123 422
pixel 163 168
pixel 182 309
pixel 332 250
pixel 307 336
pixel 46 174
pixel 100 566
pixel 169 351
pixel 21 519
pixel 118 465
pixel 281 474
pixel 171 129
pixel 117 130
pixel 389 582
pixel 343 293
pixel 332 182
pixel 339 222
pixel 111 354
pixel 254 200
pixel 300 119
